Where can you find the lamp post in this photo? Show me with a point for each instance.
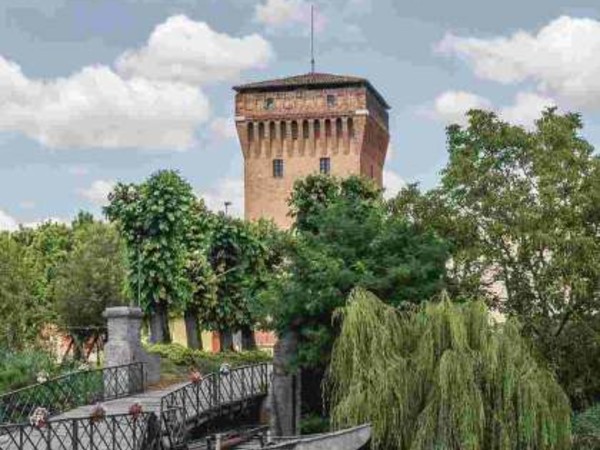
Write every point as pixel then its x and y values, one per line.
pixel 227 205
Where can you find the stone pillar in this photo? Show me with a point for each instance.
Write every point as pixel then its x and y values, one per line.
pixel 125 347
pixel 285 390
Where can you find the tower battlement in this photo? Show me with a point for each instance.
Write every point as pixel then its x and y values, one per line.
pixel 292 127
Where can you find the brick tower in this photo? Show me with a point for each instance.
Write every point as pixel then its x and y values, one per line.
pixel 292 127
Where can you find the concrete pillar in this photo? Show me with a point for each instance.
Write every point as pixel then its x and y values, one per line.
pixel 124 344
pixel 285 394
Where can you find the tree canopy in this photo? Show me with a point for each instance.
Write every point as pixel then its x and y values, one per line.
pixel 520 210
pixel 345 238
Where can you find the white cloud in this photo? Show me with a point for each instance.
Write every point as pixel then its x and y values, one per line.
pixel 183 50
pixel 223 128
pixel 561 58
pixel 151 101
pixel 7 223
pixel 226 190
pixel 451 106
pixel 279 12
pixel 95 107
pixel 392 183
pixel 283 13
pixel 527 108
pixel 98 192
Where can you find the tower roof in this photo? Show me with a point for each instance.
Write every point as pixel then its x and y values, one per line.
pixel 308 80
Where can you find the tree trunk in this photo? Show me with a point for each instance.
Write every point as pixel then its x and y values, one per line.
pixel 248 340
pixel 191 330
pixel 226 340
pixel 159 325
pixel 286 389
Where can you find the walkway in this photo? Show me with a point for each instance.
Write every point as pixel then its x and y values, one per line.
pixel 167 416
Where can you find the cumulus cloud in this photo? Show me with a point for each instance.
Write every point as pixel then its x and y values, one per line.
pixel 560 58
pixel 226 190
pixel 7 223
pixel 452 106
pixel 152 100
pixel 98 192
pixel 526 109
pixel 183 50
pixel 392 183
pixel 282 13
pixel 95 107
pixel 223 128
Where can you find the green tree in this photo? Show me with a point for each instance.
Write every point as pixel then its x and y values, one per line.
pixel 91 279
pixel 23 315
pixel 444 376
pixel 228 311
pixel 154 218
pixel 350 241
pixel 521 211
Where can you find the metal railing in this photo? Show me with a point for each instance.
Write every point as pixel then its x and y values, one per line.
pixel 217 390
pixel 70 391
pixel 113 432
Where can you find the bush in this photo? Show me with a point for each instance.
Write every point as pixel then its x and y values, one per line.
pixel 204 361
pixel 20 369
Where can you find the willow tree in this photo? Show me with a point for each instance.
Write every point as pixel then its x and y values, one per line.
pixel 443 377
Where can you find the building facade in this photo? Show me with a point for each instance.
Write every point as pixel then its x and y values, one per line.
pixel 314 123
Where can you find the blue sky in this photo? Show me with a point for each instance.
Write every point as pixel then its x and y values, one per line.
pixel 98 91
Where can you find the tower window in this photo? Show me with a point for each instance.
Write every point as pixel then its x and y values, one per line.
pixel 325 166
pixel 269 103
pixel 331 101
pixel 278 168
pixel 295 130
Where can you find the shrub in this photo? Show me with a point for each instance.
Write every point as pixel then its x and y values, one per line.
pixel 19 369
pixel 586 429
pixel 207 362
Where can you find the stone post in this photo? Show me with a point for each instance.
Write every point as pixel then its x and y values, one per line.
pixel 125 347
pixel 285 389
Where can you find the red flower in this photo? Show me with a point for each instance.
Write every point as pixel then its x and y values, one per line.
pixel 195 377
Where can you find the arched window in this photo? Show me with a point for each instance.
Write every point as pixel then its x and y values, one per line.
pixel 305 129
pixel 351 128
pixel 250 132
pixel 295 130
pixel 272 131
pixel 261 131
pixel 283 130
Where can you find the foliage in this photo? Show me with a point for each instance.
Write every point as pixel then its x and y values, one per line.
pixel 19 369
pixel 314 424
pixel 92 277
pixel 521 212
pixel 21 310
pixel 586 429
pixel 154 218
pixel 443 377
pixel 206 362
pixel 351 241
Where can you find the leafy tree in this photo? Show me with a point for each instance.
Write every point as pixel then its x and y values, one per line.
pixel 342 242
pixel 521 211
pixel 91 279
pixel 22 313
pixel 198 271
pixel 443 377
pixel 154 218
pixel 228 311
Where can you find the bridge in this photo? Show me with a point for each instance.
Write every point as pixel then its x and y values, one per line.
pixel 164 421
